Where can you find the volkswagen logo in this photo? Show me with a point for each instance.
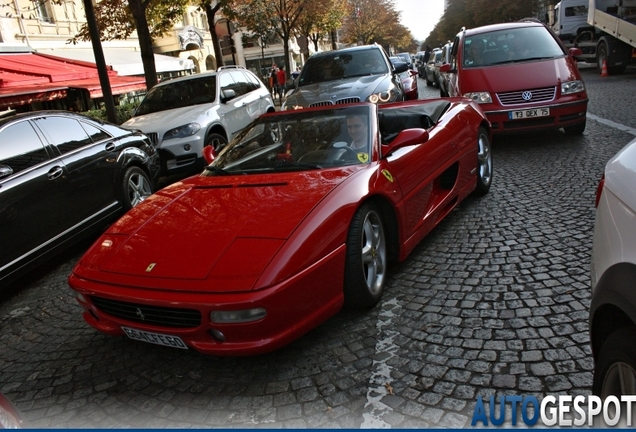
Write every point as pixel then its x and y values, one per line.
pixel 526 95
pixel 140 314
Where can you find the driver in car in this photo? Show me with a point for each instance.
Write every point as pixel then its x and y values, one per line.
pixel 358 130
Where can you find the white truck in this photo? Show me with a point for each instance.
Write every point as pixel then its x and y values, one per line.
pixel 604 30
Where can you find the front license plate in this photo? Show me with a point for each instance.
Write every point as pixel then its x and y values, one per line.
pixel 529 113
pixel 155 338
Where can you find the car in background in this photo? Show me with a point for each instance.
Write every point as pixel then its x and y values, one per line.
pixel 10 416
pixel 521 75
pixel 612 322
pixel 64 176
pixel 443 77
pixel 356 74
pixel 420 63
pixel 409 80
pixel 406 58
pixel 285 226
pixel 432 67
pixel 185 114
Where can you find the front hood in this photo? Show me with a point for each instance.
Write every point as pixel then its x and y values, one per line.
pixel 163 121
pixel 361 87
pixel 215 227
pixel 518 76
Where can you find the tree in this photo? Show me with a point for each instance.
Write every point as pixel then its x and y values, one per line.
pixel 320 18
pixel 370 21
pixel 118 19
pixel 476 13
pixel 281 15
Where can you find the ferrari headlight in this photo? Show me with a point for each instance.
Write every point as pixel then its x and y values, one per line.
pixel 182 131
pixel 237 316
pixel 572 87
pixel 383 97
pixel 479 97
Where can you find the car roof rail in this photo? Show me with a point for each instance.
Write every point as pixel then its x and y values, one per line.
pixel 531 19
pixel 229 67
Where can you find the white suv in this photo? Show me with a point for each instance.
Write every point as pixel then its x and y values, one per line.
pixel 185 114
pixel 613 275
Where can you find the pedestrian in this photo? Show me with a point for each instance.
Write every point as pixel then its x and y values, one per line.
pixel 281 78
pixel 295 74
pixel 273 81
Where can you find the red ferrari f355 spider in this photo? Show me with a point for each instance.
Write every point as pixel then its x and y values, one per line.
pixel 299 215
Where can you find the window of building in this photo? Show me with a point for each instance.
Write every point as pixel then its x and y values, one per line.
pixel 44 11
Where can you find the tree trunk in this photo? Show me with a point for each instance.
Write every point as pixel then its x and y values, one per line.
pixel 286 51
pixel 334 36
pixel 210 12
pixel 138 10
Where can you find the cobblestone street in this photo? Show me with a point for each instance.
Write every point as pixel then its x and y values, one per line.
pixel 494 301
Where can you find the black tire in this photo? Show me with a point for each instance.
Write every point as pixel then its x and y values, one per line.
pixel 615 368
pixel 215 140
pixel 484 162
pixel 367 259
pixel 601 56
pixel 428 82
pixel 577 129
pixel 136 187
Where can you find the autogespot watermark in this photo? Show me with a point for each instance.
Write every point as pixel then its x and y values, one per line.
pixel 561 410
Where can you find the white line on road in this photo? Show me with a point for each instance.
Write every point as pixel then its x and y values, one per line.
pixel 612 124
pixel 380 380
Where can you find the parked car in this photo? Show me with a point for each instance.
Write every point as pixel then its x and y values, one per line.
pixel 62 176
pixel 409 80
pixel 443 78
pixel 10 416
pixel 421 58
pixel 612 323
pixel 521 75
pixel 348 75
pixel 406 58
pixel 286 225
pixel 432 67
pixel 206 109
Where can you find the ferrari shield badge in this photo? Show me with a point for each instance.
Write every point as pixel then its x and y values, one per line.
pixel 363 157
pixel 388 175
pixel 150 267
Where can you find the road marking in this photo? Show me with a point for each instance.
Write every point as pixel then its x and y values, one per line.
pixel 380 380
pixel 612 124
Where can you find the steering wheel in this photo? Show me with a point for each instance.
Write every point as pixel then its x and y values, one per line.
pixel 344 154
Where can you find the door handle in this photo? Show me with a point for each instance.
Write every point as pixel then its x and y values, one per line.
pixel 110 147
pixel 55 172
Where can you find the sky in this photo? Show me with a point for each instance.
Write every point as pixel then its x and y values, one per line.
pixel 420 16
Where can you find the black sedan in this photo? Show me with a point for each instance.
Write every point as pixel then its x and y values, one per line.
pixel 64 176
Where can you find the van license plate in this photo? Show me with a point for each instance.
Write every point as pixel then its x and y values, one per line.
pixel 529 113
pixel 155 338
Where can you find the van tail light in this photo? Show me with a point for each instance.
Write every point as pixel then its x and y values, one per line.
pixel 599 190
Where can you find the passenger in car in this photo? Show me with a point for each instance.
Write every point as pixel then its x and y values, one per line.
pixel 475 53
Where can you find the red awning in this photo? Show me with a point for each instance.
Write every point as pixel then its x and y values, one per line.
pixel 53 69
pixel 15 96
pixel 35 77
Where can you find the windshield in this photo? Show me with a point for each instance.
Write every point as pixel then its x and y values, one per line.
pixel 298 140
pixel 339 65
pixel 510 46
pixel 179 94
